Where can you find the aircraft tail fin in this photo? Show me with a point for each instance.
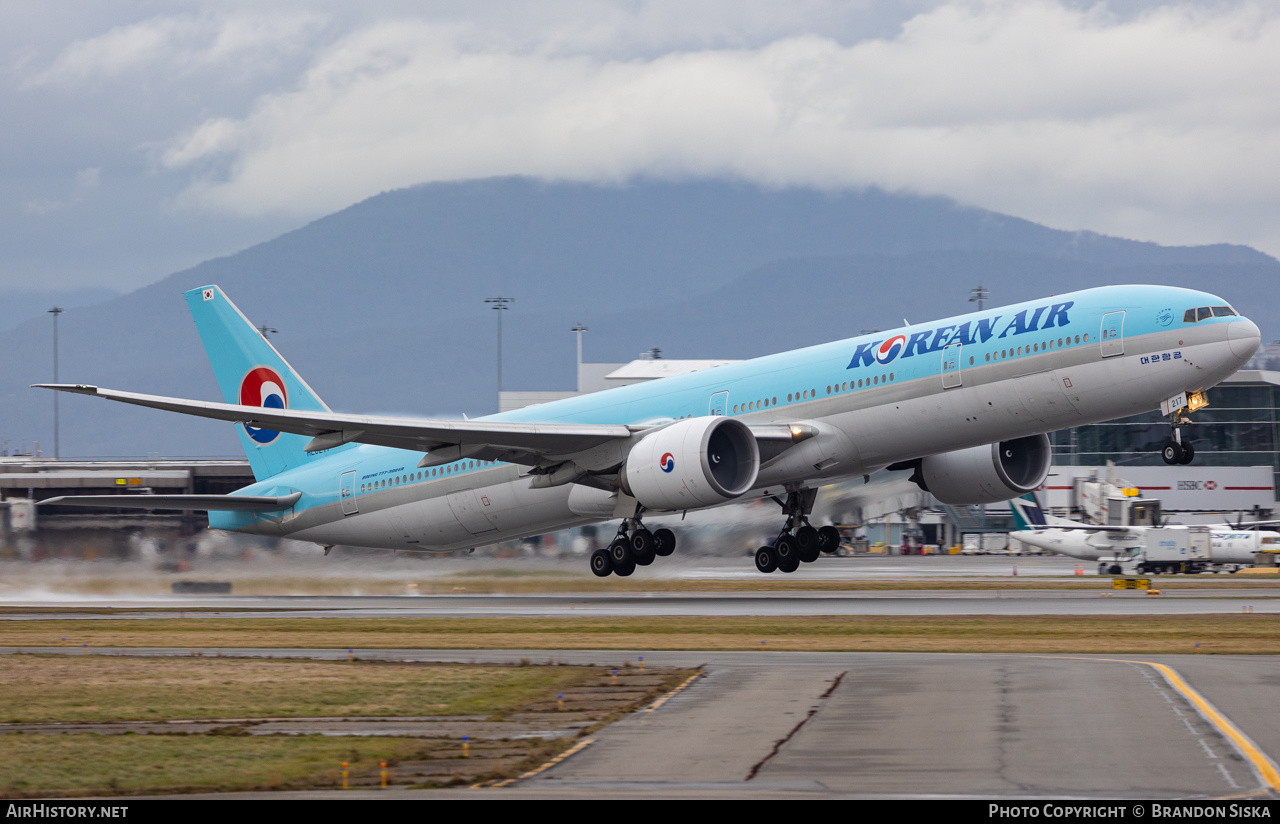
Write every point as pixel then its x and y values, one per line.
pixel 251 372
pixel 1027 513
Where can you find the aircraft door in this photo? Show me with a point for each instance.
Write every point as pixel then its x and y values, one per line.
pixel 1111 336
pixel 951 365
pixel 347 493
pixel 719 403
pixel 469 509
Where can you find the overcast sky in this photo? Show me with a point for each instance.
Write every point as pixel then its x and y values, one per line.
pixel 140 137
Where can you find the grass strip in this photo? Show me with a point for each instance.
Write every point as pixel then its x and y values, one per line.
pixel 72 765
pixel 1231 633
pixel 103 688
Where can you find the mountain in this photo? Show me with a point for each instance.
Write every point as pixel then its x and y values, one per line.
pixel 380 306
pixel 17 307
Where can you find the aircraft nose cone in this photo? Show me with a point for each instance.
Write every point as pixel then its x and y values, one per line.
pixel 1244 338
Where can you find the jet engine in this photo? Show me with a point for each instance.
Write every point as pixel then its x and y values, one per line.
pixel 986 474
pixel 692 463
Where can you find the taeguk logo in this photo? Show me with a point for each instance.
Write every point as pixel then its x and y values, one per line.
pixel 668 462
pixel 263 386
pixel 890 349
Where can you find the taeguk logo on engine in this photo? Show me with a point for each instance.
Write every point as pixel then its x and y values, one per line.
pixel 668 462
pixel 263 386
pixel 890 349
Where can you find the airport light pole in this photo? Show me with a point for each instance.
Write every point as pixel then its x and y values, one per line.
pixel 978 295
pixel 499 305
pixel 57 448
pixel 579 329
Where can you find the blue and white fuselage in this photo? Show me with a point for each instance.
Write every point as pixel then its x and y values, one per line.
pixel 940 394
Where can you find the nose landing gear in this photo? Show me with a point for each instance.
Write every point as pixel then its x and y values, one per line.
pixel 1176 451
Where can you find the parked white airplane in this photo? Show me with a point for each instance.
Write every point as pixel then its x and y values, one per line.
pixel 1112 546
pixel 964 402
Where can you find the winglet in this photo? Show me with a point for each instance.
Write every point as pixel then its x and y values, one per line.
pixel 78 388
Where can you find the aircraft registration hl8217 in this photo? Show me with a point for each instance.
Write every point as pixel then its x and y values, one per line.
pixel 965 402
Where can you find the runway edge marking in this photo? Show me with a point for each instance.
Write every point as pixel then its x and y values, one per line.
pixel 1262 763
pixel 664 699
pixel 576 748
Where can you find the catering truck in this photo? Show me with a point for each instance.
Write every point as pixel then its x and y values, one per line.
pixel 1191 549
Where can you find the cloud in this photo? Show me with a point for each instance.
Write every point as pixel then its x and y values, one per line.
pixel 1143 125
pixel 178 44
pixel 86 182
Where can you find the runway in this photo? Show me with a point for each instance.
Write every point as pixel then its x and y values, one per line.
pixel 705 604
pixel 907 725
pixel 779 725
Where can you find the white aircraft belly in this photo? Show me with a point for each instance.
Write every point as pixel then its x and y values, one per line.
pixel 434 523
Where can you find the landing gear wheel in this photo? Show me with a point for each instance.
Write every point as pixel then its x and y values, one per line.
pixel 601 563
pixel 641 544
pixel 664 542
pixel 787 553
pixel 620 553
pixel 807 543
pixel 1115 570
pixel 766 561
pixel 1172 452
pixel 828 539
pixel 1188 453
pixel 626 569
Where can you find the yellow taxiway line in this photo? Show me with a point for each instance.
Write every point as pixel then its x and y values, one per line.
pixel 1262 763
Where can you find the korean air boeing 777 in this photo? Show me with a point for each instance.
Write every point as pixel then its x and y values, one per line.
pixel 965 402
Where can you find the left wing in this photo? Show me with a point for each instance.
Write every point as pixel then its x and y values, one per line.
pixel 203 503
pixel 529 444
pixel 446 440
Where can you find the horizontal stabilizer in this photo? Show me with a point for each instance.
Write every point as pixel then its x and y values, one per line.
pixel 203 503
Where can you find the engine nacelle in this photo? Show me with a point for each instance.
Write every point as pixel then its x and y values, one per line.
pixel 987 474
pixel 692 463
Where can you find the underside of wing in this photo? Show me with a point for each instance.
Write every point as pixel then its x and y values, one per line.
pixel 446 440
pixel 557 453
pixel 201 503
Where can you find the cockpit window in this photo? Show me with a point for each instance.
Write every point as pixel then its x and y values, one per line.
pixel 1205 312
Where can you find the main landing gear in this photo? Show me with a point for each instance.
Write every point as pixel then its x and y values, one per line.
pixel 634 546
pixel 799 542
pixel 1176 450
